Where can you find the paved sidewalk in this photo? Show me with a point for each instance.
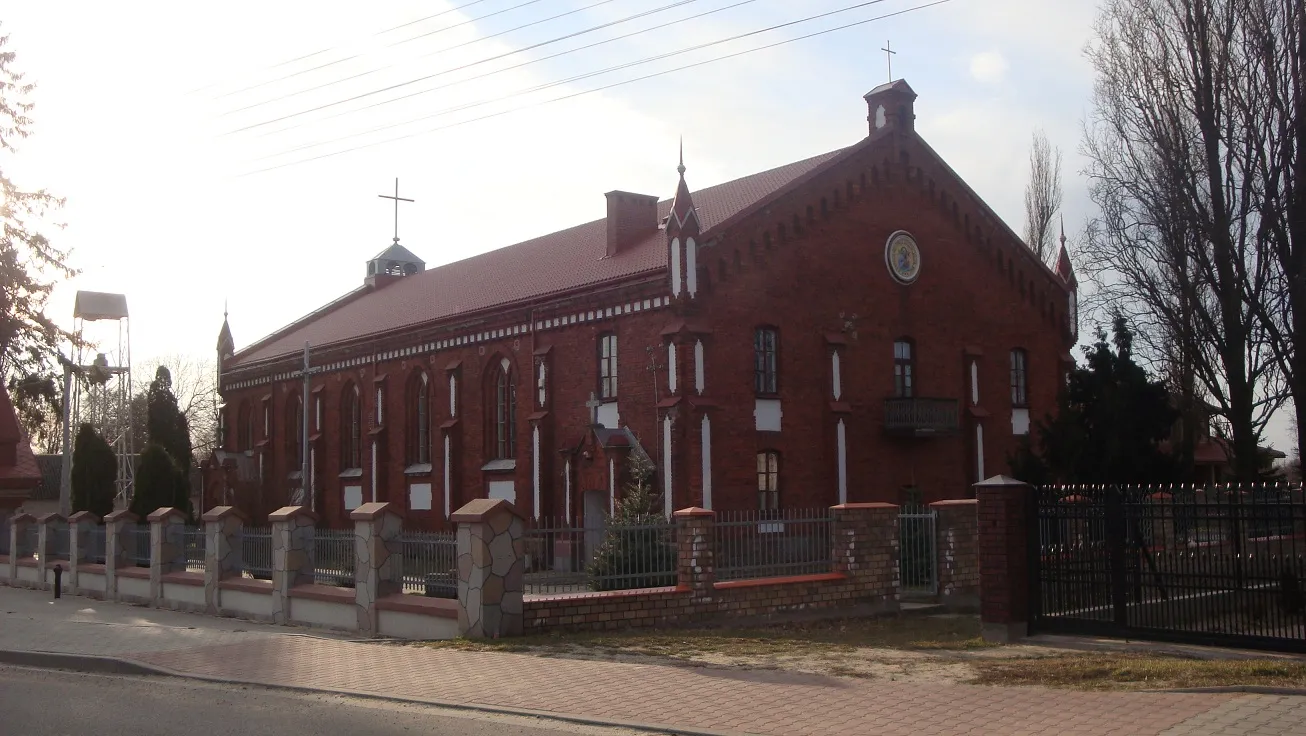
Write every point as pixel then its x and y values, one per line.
pixel 685 698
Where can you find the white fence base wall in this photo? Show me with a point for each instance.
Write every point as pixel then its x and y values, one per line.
pixel 134 590
pixel 27 575
pixel 65 581
pixel 243 604
pixel 404 625
pixel 183 597
pixel 90 582
pixel 323 613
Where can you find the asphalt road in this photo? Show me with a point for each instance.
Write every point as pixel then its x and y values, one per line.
pixel 39 702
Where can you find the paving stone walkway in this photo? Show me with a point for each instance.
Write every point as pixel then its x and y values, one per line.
pixel 728 701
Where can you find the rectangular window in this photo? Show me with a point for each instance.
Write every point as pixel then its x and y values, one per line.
pixel 903 386
pixel 768 480
pixel 1019 378
pixel 608 366
pixel 765 372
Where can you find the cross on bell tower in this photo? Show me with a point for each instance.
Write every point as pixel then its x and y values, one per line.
pixel 397 200
pixel 889 53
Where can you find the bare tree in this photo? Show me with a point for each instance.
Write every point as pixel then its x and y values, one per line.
pixel 1042 195
pixel 1175 247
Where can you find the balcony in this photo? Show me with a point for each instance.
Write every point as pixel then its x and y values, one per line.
pixel 919 417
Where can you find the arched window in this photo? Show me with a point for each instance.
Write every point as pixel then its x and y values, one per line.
pixel 294 433
pixel 904 357
pixel 351 420
pixel 766 349
pixel 419 419
pixel 607 366
pixel 245 427
pixel 768 480
pixel 504 397
pixel 1019 377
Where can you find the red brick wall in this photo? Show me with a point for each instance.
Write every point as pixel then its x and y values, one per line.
pixel 825 274
pixel 957 552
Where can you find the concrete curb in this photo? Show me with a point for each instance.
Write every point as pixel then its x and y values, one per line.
pixel 120 666
pixel 1248 689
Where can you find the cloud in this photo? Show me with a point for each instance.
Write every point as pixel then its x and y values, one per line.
pixel 988 67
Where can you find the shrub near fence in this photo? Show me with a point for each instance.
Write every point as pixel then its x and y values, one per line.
pixel 565 559
pixel 775 543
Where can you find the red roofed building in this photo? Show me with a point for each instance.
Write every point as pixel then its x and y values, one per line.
pixel 856 326
pixel 19 473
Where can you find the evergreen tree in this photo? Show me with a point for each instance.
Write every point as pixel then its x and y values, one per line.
pixel 635 545
pixel 1111 419
pixel 95 469
pixel 156 481
pixel 166 426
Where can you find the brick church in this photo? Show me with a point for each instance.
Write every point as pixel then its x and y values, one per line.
pixel 857 326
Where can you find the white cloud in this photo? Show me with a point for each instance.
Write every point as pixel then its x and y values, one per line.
pixel 988 67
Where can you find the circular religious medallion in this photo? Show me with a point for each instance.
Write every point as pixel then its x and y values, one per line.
pixel 903 257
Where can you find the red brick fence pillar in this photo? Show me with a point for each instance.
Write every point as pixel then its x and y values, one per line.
pixel 956 536
pixel 1005 526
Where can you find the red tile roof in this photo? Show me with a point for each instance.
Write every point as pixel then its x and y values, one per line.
pixel 565 260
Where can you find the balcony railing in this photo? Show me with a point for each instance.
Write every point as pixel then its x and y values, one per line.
pixel 916 417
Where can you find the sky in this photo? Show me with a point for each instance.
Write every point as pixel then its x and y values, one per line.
pixel 232 154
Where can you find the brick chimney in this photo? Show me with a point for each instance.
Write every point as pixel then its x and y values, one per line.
pixel 631 218
pixel 892 105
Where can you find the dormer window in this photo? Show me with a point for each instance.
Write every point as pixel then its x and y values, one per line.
pixel 395 260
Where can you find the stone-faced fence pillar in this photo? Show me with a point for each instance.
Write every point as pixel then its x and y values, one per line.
pixel 956 544
pixel 223 552
pixel 378 558
pixel 491 568
pixel 865 541
pixel 117 555
pixel 293 529
pixel 167 547
pixel 17 538
pixel 80 525
pixel 1005 525
pixel 696 550
pixel 45 547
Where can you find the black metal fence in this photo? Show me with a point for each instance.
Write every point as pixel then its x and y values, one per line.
pixel 95 541
pixel 136 541
pixel 427 564
pixel 4 539
pixel 28 540
pixel 1224 564
pixel 917 556
pixel 774 543
pixel 333 557
pixel 256 552
pixel 193 543
pixel 60 548
pixel 562 558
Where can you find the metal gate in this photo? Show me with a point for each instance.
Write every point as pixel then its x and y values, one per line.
pixel 917 556
pixel 1220 565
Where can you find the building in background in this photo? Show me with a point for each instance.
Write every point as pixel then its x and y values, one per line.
pixel 857 326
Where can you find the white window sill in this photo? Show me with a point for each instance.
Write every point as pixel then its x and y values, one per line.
pixel 418 469
pixel 500 465
pixel 352 473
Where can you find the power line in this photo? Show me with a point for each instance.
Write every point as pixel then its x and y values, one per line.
pixel 576 78
pixel 413 81
pixel 433 53
pixel 596 89
pixel 333 48
pixel 523 64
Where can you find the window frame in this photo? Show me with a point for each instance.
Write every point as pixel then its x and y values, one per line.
pixel 1019 378
pixel 294 439
pixel 768 480
pixel 904 369
pixel 607 366
pixel 244 427
pixel 503 440
pixel 419 419
pixel 351 438
pixel 766 361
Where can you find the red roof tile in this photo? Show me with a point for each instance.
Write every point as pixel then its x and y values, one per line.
pixel 562 261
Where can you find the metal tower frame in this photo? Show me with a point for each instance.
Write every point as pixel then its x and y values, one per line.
pixel 104 394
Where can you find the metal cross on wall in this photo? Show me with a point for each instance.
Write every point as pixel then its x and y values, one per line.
pixel 888 54
pixel 397 200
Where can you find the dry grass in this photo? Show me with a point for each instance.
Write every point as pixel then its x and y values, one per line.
pixel 934 633
pixel 1101 671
